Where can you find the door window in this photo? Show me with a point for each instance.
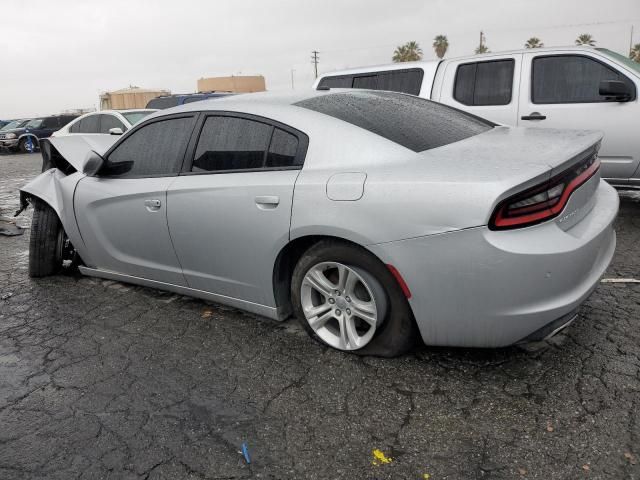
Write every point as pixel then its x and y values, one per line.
pixel 403 81
pixel 283 149
pixel 570 79
pixel 156 149
pixel 484 83
pixel 110 121
pixel 87 125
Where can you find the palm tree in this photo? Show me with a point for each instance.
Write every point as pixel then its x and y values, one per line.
pixel 409 52
pixel 585 39
pixel 534 42
pixel 482 49
pixel 634 54
pixel 440 45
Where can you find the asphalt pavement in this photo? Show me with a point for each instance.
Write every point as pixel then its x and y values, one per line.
pixel 100 379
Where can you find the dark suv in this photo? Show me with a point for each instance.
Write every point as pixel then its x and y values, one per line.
pixel 168 101
pixel 26 138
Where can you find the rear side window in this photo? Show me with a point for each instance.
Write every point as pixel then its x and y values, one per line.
pixel 156 149
pixel 410 121
pixel 484 83
pixel 89 124
pixel 340 81
pixel 283 149
pixel 403 81
pixel 229 143
pixel 570 79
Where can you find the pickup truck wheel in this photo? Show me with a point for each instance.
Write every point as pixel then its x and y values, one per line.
pixel 47 242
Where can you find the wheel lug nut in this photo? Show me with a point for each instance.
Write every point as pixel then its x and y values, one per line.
pixel 332 301
pixel 348 299
pixel 348 312
pixel 337 292
pixel 338 312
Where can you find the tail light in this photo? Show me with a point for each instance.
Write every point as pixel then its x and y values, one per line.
pixel 543 202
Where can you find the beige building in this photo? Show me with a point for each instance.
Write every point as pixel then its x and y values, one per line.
pixel 235 84
pixel 133 97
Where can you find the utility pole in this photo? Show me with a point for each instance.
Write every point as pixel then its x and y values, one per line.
pixel 481 39
pixel 315 59
pixel 631 40
pixel 292 86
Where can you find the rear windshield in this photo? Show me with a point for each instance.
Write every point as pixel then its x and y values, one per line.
pixel 412 122
pixel 163 102
pixel 135 117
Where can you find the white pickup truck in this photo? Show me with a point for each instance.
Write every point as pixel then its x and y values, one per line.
pixel 570 87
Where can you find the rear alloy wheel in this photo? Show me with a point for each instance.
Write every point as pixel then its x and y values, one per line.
pixel 342 304
pixel 348 299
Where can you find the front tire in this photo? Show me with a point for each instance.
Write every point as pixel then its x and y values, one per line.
pixel 348 299
pixel 45 244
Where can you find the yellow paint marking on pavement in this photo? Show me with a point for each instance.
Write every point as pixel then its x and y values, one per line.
pixel 379 458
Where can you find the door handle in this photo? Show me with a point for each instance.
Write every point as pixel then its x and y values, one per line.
pixel 265 202
pixel 153 205
pixel 534 116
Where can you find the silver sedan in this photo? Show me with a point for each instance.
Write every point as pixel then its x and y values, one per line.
pixel 378 219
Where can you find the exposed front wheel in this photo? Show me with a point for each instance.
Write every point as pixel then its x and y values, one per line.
pixel 347 299
pixel 49 248
pixel 26 146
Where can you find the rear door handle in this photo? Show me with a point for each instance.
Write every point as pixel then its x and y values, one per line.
pixel 267 201
pixel 153 205
pixel 534 116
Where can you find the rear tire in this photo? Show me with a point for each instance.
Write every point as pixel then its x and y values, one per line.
pixel 395 331
pixel 45 244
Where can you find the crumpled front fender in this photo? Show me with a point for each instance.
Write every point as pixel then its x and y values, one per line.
pixel 47 187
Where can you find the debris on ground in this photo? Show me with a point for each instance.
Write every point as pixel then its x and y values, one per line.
pixel 9 228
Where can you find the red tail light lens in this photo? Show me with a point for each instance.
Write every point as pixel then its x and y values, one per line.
pixel 543 202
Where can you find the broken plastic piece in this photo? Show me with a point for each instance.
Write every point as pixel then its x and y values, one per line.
pixel 245 452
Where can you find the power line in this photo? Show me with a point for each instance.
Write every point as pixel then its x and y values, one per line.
pixel 315 59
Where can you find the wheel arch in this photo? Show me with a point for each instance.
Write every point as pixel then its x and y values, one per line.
pixel 286 261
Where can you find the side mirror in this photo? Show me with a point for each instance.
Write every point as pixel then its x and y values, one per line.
pixel 615 91
pixel 92 164
pixel 115 131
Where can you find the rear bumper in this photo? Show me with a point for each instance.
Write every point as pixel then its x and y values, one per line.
pixel 483 288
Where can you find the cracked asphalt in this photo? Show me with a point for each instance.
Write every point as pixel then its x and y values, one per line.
pixel 100 379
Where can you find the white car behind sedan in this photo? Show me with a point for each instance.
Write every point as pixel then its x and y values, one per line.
pixel 105 122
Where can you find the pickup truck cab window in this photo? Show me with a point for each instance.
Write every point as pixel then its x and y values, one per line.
pixel 570 79
pixel 404 81
pixel 484 83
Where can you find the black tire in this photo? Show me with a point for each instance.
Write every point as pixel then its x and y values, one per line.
pixel 45 242
pixel 398 333
pixel 22 146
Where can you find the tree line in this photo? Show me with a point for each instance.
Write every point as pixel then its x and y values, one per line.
pixel 411 51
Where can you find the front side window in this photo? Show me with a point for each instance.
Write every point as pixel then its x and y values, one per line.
pixel 35 123
pixel 156 149
pixel 484 83
pixel 108 122
pixel 571 79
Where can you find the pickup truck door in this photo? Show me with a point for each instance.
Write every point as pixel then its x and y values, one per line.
pixel 488 88
pixel 561 90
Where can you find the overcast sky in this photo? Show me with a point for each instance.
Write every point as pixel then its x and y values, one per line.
pixel 61 54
